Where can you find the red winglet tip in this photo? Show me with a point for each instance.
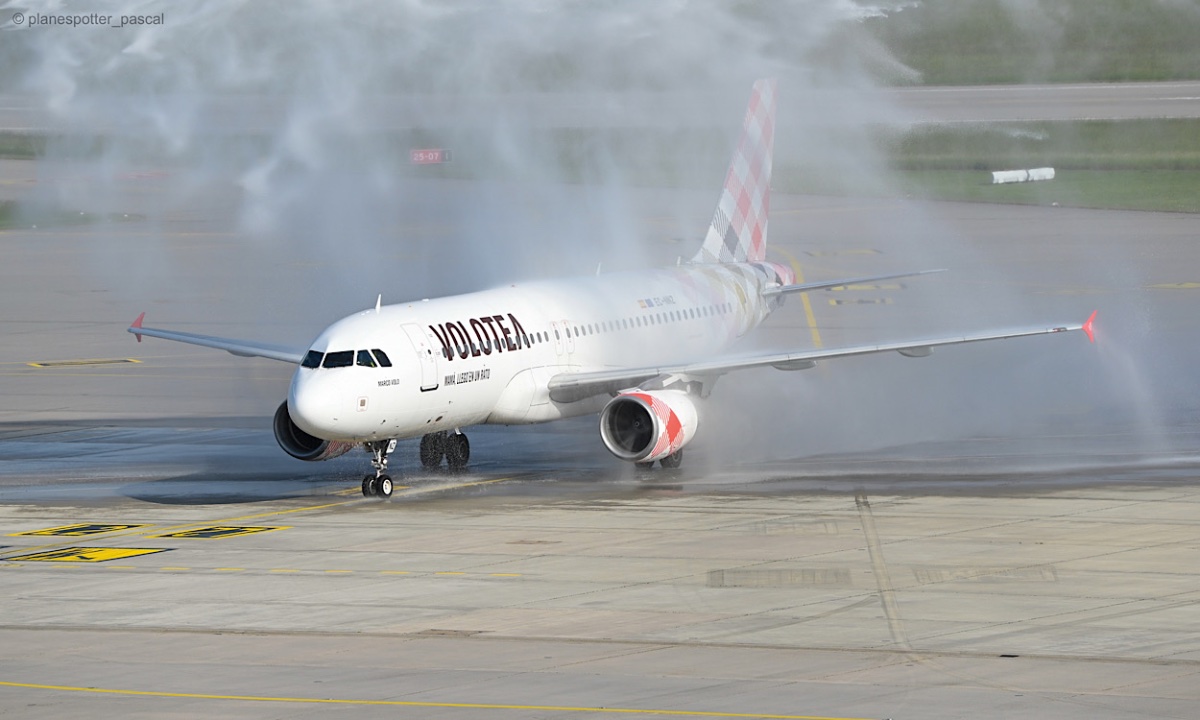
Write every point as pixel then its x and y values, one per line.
pixel 138 324
pixel 1087 326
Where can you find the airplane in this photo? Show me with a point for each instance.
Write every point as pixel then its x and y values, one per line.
pixel 642 348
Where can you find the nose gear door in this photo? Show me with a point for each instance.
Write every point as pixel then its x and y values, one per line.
pixel 426 355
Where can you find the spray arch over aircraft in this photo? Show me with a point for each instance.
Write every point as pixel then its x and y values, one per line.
pixel 641 348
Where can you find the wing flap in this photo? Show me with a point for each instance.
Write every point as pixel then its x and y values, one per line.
pixel 242 348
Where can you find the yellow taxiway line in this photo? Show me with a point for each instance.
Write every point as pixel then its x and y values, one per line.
pixel 158 532
pixel 417 703
pixel 808 310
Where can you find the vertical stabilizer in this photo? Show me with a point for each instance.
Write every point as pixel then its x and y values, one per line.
pixel 738 232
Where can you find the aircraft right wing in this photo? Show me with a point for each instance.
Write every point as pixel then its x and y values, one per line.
pixel 243 348
pixel 570 387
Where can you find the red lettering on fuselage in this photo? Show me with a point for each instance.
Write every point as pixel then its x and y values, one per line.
pixel 487 333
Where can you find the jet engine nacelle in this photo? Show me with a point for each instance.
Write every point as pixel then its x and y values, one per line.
pixel 644 426
pixel 301 445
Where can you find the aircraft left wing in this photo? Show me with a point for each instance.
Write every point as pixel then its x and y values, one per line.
pixel 243 348
pixel 569 387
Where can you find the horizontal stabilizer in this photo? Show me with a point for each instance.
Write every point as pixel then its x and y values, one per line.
pixel 826 284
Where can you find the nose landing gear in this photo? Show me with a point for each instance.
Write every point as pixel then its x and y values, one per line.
pixel 380 483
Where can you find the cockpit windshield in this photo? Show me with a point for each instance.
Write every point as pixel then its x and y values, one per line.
pixel 312 359
pixel 346 358
pixel 342 358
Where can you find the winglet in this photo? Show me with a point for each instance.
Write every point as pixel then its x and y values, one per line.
pixel 1087 326
pixel 137 325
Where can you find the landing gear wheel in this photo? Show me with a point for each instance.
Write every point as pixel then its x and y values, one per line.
pixel 379 483
pixel 433 448
pixel 644 466
pixel 672 461
pixel 458 451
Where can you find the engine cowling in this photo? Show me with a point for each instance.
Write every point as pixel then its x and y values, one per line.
pixel 644 426
pixel 301 445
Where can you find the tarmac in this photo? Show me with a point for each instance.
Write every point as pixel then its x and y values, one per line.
pixel 996 531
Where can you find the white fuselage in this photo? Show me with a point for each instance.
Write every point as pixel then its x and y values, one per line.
pixel 487 357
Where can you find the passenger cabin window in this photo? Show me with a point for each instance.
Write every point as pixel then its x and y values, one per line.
pixel 365 359
pixel 342 358
pixel 312 359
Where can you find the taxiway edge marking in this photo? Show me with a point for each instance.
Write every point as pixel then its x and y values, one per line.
pixel 415 703
pixel 144 530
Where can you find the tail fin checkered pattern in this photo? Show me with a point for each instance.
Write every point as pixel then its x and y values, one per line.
pixel 738 232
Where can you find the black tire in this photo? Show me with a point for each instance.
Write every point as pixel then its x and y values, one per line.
pixel 433 448
pixel 368 486
pixel 384 484
pixel 644 466
pixel 458 451
pixel 673 460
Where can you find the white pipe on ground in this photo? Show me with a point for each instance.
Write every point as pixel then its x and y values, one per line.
pixel 1000 177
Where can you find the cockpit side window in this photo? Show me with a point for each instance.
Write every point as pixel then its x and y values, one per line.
pixel 365 359
pixel 382 357
pixel 342 358
pixel 312 359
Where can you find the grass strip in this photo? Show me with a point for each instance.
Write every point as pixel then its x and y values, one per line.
pixel 1162 190
pixel 974 42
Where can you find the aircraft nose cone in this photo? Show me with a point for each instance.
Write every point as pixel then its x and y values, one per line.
pixel 311 409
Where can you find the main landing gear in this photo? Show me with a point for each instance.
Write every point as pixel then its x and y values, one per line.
pixel 380 483
pixel 670 462
pixel 453 446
